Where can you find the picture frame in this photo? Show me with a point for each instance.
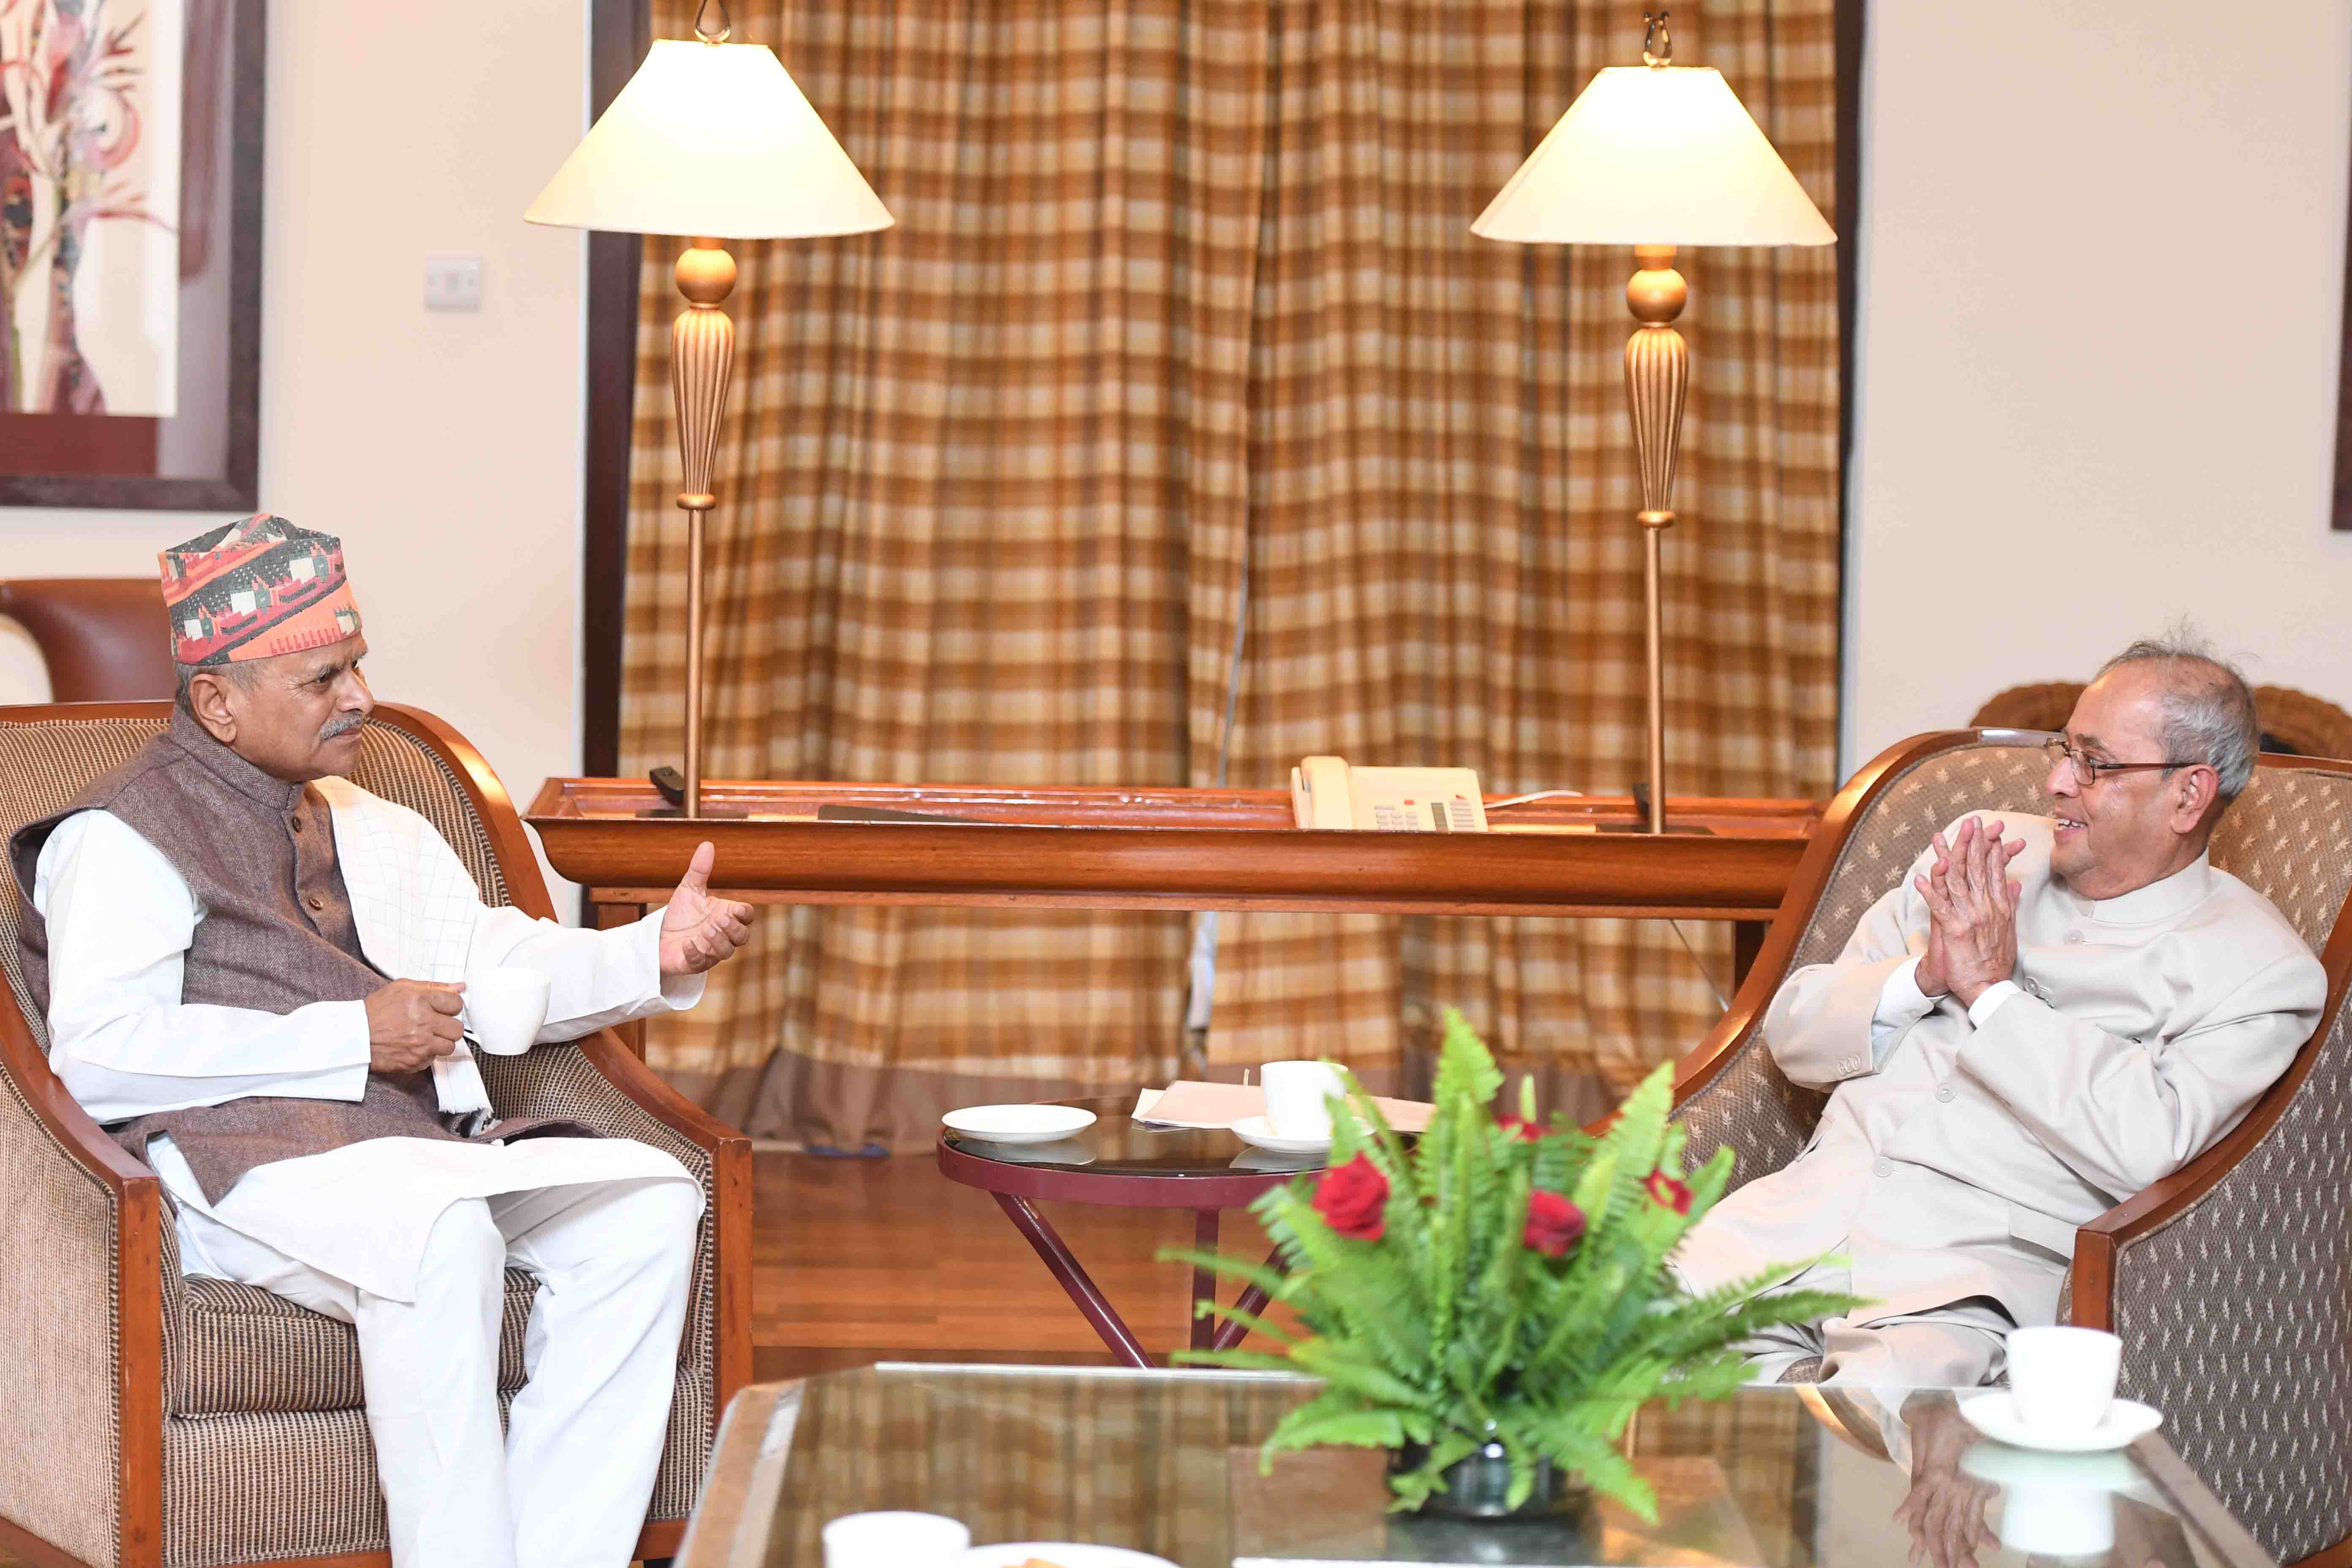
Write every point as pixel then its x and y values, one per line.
pixel 131 206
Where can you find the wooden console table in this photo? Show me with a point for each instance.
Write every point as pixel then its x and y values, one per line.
pixel 1110 848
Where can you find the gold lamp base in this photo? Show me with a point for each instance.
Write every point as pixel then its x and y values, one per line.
pixel 1657 377
pixel 701 357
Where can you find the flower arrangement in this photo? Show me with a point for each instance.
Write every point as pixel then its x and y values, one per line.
pixel 1500 1282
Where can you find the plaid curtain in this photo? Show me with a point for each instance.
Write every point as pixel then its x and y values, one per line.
pixel 1181 428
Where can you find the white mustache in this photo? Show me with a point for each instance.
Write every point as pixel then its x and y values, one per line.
pixel 338 728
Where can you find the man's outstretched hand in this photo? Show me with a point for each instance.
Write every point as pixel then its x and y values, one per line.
pixel 1971 913
pixel 698 931
pixel 411 1023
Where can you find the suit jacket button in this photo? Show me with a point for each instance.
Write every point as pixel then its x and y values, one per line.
pixel 1883 1168
pixel 1944 1092
pixel 315 904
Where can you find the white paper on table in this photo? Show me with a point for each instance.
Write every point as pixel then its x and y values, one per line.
pixel 1217 1106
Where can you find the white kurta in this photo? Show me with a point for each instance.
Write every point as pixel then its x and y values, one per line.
pixel 1962 1146
pixel 120 919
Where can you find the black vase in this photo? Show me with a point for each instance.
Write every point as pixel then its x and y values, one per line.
pixel 1479 1487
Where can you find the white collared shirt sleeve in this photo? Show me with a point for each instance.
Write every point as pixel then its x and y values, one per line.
pixel 1988 1000
pixel 120 922
pixel 595 978
pixel 1901 1003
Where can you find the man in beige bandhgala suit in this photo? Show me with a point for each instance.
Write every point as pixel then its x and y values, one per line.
pixel 2024 1033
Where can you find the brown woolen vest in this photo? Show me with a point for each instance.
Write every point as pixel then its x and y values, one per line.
pixel 277 934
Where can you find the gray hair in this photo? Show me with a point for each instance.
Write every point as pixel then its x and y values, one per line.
pixel 2208 709
pixel 242 673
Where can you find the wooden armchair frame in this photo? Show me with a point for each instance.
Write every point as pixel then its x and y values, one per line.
pixel 137 1193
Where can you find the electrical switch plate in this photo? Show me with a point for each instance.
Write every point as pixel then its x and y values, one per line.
pixel 453 283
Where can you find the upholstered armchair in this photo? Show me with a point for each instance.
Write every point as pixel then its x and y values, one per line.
pixel 2231 1281
pixel 148 1419
pixel 103 639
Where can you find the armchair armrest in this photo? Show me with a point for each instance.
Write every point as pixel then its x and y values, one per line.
pixel 86 1313
pixel 2230 1281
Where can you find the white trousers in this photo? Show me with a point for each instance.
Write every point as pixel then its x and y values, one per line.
pixel 566 1486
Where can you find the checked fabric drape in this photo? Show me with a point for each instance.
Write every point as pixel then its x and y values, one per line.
pixel 1181 429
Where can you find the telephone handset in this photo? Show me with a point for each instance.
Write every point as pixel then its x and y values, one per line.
pixel 1324 792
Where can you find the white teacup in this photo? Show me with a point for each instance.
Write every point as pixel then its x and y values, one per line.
pixel 505 1009
pixel 2063 1379
pixel 894 1541
pixel 1298 1096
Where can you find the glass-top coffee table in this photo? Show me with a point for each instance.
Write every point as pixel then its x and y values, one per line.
pixel 1166 1463
pixel 1124 1163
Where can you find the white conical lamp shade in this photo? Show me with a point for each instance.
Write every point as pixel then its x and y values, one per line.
pixel 1656 156
pixel 713 140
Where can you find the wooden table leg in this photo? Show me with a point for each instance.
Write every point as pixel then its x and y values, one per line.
pixel 1072 1276
pixel 1204 1282
pixel 1253 1301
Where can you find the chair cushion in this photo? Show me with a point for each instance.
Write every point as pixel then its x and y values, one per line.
pixel 251 1351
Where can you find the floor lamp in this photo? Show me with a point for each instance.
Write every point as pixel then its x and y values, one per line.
pixel 708 138
pixel 1654 156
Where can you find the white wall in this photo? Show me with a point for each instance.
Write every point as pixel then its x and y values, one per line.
pixel 2103 266
pixel 444 447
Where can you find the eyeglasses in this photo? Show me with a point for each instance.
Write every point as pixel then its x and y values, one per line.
pixel 2087 769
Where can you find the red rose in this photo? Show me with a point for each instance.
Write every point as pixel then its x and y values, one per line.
pixel 1525 1131
pixel 1554 1225
pixel 1668 1192
pixel 1351 1199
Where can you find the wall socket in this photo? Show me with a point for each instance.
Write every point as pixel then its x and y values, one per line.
pixel 453 283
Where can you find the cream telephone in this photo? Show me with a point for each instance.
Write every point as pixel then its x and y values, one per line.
pixel 1324 792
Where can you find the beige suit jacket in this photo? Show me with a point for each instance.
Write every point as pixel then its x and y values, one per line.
pixel 1961 1163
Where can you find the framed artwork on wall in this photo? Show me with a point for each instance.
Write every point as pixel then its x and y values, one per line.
pixel 130 253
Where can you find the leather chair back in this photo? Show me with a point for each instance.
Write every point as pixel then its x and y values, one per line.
pixel 105 639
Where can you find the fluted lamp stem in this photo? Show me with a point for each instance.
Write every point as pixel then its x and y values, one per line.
pixel 1657 377
pixel 701 356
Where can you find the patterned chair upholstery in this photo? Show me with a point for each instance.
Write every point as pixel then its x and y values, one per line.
pixel 2231 1281
pixel 152 1419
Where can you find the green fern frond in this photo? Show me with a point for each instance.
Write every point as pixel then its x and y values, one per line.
pixel 1415 1488
pixel 1277 1285
pixel 1583 1453
pixel 1238 1361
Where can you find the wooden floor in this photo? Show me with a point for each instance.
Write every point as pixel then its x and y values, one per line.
pixel 864 1260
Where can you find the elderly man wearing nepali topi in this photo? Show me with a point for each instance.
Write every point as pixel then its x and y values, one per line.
pixel 253 972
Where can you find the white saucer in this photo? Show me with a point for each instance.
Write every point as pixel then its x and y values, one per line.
pixel 1995 1417
pixel 1259 1133
pixel 1019 1124
pixel 1065 1553
pixel 1265 1161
